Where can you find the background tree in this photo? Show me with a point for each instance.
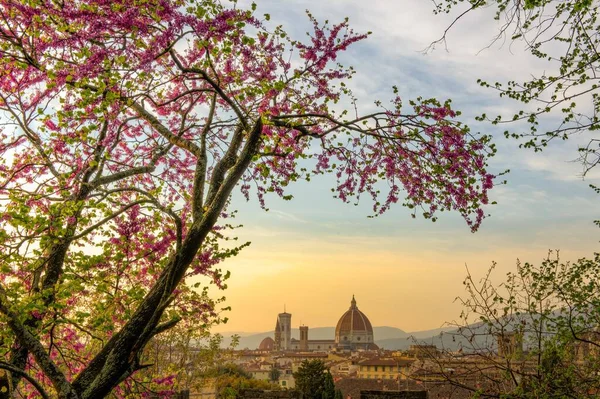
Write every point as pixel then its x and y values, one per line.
pixel 535 335
pixel 229 379
pixel 329 388
pixel 125 129
pixel 274 374
pixel 566 35
pixel 182 359
pixel 311 379
pixel 549 307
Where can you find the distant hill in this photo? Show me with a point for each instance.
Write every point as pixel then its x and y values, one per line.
pixel 430 333
pixel 386 337
pixel 473 338
pixel 251 341
pixel 448 339
pixel 388 333
pixel 477 337
pixel 431 337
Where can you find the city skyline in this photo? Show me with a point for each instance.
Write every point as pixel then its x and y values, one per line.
pixel 314 251
pixel 392 196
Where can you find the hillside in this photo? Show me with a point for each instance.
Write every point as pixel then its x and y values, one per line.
pixel 386 337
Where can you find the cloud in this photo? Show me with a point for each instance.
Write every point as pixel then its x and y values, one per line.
pixel 287 216
pixel 317 244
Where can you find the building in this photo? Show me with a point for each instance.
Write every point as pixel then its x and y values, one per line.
pixel 586 348
pixel 423 351
pixel 267 344
pixel 510 344
pixel 353 332
pixel 384 369
pixel 283 331
pixel 304 344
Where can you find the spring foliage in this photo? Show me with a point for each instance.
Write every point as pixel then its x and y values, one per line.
pixel 563 100
pixel 125 127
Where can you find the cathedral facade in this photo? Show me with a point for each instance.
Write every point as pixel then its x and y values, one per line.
pixel 353 332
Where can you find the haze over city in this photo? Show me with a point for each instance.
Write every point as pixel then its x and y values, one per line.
pixel 221 199
pixel 314 252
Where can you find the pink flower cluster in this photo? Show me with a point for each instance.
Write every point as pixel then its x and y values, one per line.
pixel 134 117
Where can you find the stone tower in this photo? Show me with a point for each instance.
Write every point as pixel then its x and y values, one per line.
pixel 283 331
pixel 277 337
pixel 285 324
pixel 303 338
pixel 510 344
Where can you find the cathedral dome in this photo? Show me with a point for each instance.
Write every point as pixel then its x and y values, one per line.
pixel 266 344
pixel 354 329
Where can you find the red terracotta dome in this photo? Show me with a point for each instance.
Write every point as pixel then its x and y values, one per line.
pixel 266 344
pixel 354 330
pixel 353 320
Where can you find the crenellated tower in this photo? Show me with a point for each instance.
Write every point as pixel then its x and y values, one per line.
pixel 303 338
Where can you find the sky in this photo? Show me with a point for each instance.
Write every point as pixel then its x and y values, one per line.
pixel 311 254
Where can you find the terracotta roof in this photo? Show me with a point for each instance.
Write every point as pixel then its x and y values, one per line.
pixel 353 386
pixel 314 341
pixel 305 354
pixel 266 344
pixel 385 362
pixel 372 347
pixel 249 352
pixel 353 321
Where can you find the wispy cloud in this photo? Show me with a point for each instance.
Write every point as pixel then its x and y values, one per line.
pixel 315 244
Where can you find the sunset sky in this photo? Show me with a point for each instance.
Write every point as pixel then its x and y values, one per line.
pixel 313 253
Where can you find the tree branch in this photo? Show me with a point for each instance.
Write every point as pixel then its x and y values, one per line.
pixel 33 345
pixel 201 165
pixel 164 131
pixel 214 85
pixel 22 373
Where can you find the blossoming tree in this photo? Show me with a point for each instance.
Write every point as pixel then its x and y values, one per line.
pixel 125 127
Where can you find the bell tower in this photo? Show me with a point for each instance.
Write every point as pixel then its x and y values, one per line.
pixel 304 338
pixel 283 331
pixel 284 321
